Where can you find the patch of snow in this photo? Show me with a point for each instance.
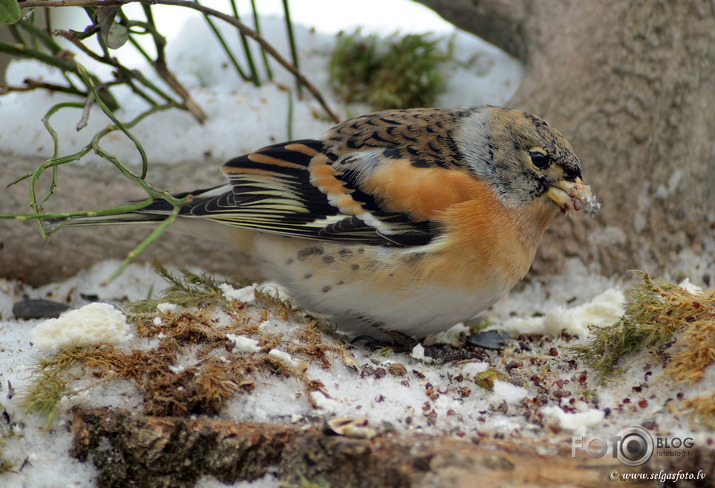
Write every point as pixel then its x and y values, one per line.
pixel 247 294
pixel 243 343
pixel 509 393
pixel 604 309
pixel 167 307
pixel 92 324
pixel 579 422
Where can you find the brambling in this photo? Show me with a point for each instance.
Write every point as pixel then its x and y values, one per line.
pixel 400 222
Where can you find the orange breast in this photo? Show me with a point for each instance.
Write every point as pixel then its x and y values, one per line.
pixel 484 240
pixel 484 243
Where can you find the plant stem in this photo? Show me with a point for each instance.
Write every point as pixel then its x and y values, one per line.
pixel 246 47
pixel 209 11
pixel 145 163
pixel 257 24
pixel 144 244
pixel 226 49
pixel 291 41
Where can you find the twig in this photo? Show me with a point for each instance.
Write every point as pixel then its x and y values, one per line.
pixel 45 58
pixel 209 11
pixel 162 69
pixel 31 84
pixel 85 78
pixel 123 73
pixel 85 113
pixel 59 216
pixel 290 114
pixel 144 244
pixel 42 35
pixel 63 63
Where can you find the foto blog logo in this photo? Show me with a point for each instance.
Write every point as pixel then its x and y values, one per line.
pixel 633 446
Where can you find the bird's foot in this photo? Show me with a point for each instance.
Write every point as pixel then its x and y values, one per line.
pixel 398 341
pixel 402 343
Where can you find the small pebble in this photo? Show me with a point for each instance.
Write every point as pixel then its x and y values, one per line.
pixel 490 339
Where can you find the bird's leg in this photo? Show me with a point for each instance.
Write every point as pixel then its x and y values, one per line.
pixel 399 342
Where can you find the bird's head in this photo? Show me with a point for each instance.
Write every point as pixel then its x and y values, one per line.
pixel 523 159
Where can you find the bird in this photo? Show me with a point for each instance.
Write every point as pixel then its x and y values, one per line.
pixel 397 224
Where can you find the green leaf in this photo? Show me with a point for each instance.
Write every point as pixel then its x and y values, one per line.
pixel 116 36
pixel 9 11
pixel 113 34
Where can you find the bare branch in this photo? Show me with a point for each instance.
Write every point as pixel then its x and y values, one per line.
pixel 207 11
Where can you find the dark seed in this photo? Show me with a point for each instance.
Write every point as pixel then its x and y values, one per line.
pixel 38 309
pixel 307 276
pixel 326 289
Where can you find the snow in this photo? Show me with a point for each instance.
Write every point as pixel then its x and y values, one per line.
pixel 578 422
pixel 92 324
pixel 244 344
pixel 428 397
pixel 241 117
pixel 418 352
pixel 509 393
pixel 288 359
pixel 247 294
pixel 604 309
pixel 167 307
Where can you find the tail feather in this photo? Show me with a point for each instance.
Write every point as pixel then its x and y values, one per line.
pixel 157 211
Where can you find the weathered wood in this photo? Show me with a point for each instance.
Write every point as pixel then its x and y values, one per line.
pixel 144 451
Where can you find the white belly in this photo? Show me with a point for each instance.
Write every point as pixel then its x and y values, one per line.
pixel 342 282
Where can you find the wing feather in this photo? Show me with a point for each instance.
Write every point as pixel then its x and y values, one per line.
pixel 322 189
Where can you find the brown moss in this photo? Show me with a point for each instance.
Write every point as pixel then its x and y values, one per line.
pixel 216 373
pixel 704 408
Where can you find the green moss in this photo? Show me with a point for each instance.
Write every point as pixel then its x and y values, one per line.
pixel 392 72
pixel 304 482
pixel 657 314
pixel 186 289
pixel 49 385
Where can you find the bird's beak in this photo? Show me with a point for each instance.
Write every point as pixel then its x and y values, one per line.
pixel 573 195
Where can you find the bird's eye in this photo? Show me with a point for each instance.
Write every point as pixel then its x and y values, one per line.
pixel 540 159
